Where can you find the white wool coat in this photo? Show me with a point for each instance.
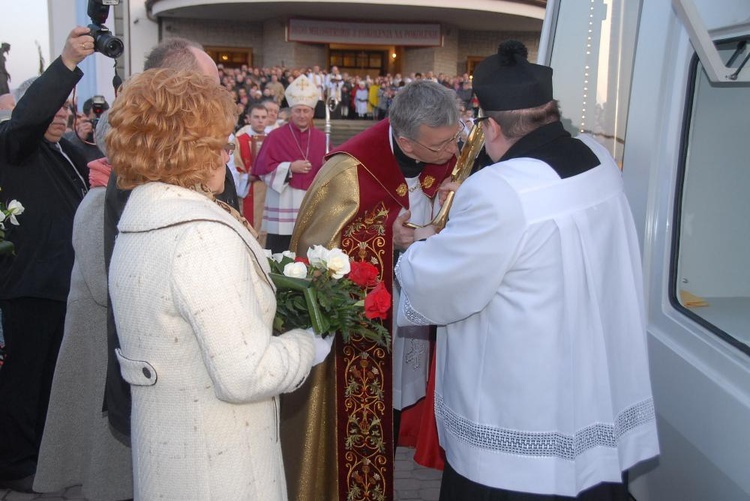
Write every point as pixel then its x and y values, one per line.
pixel 194 309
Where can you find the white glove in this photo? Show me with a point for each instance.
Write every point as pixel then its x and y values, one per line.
pixel 322 346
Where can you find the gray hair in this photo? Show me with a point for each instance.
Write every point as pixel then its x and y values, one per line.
pixel 102 127
pixel 21 90
pixel 173 53
pixel 422 102
pixel 516 124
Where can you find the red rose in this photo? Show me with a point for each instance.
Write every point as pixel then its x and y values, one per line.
pixel 378 302
pixel 363 274
pixel 304 260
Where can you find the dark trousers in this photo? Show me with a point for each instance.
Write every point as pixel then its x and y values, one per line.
pixel 278 243
pixel 320 109
pixel 455 487
pixel 33 330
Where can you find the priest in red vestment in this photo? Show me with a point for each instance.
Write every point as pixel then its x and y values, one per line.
pixel 337 429
pixel 249 140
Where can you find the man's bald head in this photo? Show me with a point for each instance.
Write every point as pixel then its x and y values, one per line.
pixel 206 65
pixel 181 54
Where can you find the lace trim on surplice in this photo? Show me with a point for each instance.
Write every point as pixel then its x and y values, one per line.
pixel 545 444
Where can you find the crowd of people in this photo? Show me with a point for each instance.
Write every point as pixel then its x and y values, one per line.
pixel 356 96
pixel 138 309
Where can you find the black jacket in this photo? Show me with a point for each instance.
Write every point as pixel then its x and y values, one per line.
pixel 36 174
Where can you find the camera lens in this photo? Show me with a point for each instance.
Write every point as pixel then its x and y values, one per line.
pixel 110 46
pixel 105 42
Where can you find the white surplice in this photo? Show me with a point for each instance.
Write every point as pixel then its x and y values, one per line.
pixel 411 343
pixel 542 381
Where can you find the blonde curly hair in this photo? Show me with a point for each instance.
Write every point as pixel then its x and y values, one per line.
pixel 170 126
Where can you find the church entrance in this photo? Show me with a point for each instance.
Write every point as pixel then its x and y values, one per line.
pixel 372 61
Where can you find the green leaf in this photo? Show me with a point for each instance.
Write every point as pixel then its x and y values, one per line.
pixel 6 247
pixel 282 281
pixel 319 322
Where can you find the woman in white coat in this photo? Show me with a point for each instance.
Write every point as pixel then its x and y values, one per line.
pixel 193 303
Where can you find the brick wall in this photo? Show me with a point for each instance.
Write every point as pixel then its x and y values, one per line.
pixel 458 45
pixel 276 51
pixel 308 55
pixel 218 33
pixel 484 43
pixel 445 57
pixel 418 59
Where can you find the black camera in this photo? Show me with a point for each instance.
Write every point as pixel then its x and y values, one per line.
pixel 104 41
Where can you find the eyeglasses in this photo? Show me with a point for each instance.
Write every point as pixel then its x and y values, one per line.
pixel 450 141
pixel 229 148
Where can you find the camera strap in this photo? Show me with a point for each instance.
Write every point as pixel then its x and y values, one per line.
pixel 116 80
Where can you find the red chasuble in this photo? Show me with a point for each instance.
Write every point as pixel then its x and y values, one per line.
pixel 383 193
pixel 364 387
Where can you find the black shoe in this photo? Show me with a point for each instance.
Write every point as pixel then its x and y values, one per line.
pixel 25 484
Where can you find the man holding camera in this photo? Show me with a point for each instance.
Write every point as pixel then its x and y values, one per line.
pixel 41 169
pixel 83 136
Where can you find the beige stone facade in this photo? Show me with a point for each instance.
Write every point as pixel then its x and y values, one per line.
pixel 471 29
pixel 269 48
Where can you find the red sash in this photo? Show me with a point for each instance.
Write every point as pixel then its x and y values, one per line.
pixel 249 147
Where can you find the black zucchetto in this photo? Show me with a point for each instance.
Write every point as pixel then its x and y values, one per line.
pixel 508 81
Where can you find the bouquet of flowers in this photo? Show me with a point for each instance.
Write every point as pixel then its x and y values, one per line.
pixel 8 214
pixel 330 293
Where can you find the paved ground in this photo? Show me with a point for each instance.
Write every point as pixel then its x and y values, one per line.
pixel 413 483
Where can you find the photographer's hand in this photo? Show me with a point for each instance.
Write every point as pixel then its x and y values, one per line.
pixel 78 46
pixel 84 127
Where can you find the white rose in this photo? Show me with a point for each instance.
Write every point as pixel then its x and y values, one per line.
pixel 14 209
pixel 277 257
pixel 318 256
pixel 268 253
pixel 338 263
pixel 295 270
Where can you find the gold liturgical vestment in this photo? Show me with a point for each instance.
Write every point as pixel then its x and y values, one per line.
pixel 337 429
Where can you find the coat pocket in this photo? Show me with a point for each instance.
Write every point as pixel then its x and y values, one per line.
pixel 136 372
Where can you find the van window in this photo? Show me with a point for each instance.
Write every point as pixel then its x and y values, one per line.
pixel 710 280
pixel 594 90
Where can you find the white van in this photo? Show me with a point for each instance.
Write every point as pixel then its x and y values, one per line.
pixel 664 85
